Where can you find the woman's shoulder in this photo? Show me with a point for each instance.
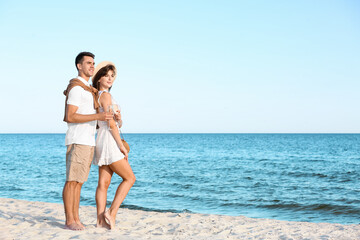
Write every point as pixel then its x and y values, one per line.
pixel 105 93
pixel 105 97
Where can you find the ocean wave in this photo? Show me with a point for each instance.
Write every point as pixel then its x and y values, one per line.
pixel 297 207
pixel 329 208
pixel 135 207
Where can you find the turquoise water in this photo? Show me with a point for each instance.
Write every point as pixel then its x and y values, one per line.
pixel 297 177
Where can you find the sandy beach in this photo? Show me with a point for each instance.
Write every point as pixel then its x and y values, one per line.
pixel 21 219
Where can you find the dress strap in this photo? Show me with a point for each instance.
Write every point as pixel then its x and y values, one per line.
pixel 100 92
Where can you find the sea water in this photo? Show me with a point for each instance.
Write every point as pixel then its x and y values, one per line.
pixel 296 177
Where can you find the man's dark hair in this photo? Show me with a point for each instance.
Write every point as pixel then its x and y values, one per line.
pixel 80 57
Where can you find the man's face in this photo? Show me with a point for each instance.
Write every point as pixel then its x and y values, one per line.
pixel 87 66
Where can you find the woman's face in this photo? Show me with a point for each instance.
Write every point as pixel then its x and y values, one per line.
pixel 107 81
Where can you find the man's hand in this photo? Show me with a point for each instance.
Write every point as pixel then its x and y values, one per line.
pixel 105 116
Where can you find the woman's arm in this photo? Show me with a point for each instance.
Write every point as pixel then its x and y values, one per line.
pixel 105 100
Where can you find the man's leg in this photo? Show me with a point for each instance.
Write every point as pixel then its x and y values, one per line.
pixel 77 203
pixel 69 201
pixel 69 191
pixel 85 156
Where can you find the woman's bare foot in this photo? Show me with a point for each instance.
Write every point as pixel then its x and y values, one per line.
pixel 102 223
pixel 109 219
pixel 74 227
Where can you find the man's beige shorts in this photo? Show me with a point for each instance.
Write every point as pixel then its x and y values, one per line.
pixel 78 162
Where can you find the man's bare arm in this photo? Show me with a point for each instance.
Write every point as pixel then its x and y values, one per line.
pixel 73 117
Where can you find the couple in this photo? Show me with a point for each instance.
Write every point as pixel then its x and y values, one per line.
pixel 85 107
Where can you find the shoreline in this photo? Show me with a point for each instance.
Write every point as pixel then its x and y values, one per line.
pixel 21 219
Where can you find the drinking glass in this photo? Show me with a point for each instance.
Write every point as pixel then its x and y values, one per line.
pixel 116 107
pixel 110 109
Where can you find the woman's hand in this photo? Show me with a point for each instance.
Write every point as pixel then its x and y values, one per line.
pixel 125 152
pixel 117 115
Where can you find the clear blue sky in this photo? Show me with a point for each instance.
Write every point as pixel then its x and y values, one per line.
pixel 188 66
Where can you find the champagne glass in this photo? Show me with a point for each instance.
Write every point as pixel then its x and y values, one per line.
pixel 115 108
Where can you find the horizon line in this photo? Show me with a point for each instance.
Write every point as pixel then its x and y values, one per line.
pixel 202 133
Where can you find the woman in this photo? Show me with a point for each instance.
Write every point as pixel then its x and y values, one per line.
pixel 110 154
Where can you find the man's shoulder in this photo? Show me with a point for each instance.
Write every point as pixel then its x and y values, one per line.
pixel 77 89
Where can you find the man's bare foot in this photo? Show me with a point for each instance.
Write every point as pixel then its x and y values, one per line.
pixel 109 219
pixel 80 224
pixel 74 227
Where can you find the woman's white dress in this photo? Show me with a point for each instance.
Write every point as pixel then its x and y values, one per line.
pixel 106 149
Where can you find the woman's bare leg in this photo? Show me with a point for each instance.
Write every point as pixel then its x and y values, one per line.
pixel 105 174
pixel 123 169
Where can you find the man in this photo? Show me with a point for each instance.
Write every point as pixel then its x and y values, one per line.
pixel 80 114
